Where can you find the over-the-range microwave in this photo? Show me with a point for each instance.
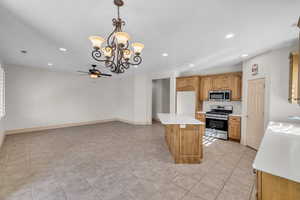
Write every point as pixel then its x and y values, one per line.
pixel 219 95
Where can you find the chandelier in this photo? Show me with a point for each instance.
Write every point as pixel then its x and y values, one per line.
pixel 116 55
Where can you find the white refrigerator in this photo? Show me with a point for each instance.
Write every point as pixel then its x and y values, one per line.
pixel 186 103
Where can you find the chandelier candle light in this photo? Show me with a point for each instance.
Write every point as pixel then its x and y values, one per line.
pixel 117 54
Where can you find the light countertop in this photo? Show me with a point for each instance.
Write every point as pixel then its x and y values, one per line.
pixel 177 119
pixel 279 152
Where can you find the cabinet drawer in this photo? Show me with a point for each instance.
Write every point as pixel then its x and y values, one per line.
pixel 234 119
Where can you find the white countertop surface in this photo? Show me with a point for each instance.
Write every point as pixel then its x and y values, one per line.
pixel 169 118
pixel 279 152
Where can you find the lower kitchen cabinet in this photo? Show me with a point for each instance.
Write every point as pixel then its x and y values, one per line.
pixel 185 144
pixel 270 187
pixel 234 128
pixel 200 117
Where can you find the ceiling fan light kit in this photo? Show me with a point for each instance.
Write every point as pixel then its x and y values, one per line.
pixel 94 73
pixel 117 55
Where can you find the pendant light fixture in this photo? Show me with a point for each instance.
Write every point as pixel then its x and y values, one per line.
pixel 117 54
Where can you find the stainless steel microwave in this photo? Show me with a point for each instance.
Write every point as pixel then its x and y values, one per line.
pixel 219 95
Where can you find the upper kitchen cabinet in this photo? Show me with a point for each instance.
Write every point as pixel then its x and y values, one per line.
pixel 294 78
pixel 190 83
pixel 205 87
pixel 236 86
pixel 221 82
pixel 229 81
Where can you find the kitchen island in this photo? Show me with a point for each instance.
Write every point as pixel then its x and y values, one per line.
pixel 278 163
pixel 183 135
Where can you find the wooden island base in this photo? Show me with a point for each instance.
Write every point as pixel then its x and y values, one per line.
pixel 270 187
pixel 185 142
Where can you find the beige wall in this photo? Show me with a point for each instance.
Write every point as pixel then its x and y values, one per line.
pixel 212 70
pixel 39 98
pixel 2 127
pixel 274 67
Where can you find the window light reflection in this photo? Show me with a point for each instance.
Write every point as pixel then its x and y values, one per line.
pixel 208 140
pixel 284 128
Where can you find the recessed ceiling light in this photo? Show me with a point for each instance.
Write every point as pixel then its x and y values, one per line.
pixel 165 54
pixel 229 36
pixel 244 55
pixel 50 64
pixel 62 49
pixel 192 65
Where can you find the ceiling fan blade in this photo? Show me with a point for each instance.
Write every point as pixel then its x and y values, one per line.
pixel 106 74
pixel 83 72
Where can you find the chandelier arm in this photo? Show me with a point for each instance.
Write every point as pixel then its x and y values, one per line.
pixel 96 54
pixel 109 38
pixel 110 64
pixel 136 60
pixel 125 64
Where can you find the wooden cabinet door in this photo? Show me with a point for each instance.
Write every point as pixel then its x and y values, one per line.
pixel 190 145
pixel 187 84
pixel 206 86
pixel 294 78
pixel 234 128
pixel 221 82
pixel 200 117
pixel 272 187
pixel 258 185
pixel 236 87
pixel 180 84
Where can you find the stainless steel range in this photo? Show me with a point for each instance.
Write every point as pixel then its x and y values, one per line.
pixel 217 121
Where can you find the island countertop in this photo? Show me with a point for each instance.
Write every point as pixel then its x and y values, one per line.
pixel 279 151
pixel 169 118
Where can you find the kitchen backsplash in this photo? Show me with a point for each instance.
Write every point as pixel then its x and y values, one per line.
pixel 237 105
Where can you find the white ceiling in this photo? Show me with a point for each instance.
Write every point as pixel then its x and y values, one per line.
pixel 190 31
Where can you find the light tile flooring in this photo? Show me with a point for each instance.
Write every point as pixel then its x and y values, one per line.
pixel 117 161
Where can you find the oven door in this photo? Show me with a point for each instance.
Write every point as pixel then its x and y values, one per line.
pixel 217 124
pixel 216 96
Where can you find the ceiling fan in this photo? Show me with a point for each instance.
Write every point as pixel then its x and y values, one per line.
pixel 94 73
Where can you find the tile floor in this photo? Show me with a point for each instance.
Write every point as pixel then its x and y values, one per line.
pixel 117 161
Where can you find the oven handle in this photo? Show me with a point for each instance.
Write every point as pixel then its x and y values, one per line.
pixel 219 118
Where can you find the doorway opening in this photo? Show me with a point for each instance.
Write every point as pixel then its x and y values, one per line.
pixel 160 97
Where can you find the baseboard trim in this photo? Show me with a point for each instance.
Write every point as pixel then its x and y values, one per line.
pixel 2 140
pixel 133 122
pixel 42 128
